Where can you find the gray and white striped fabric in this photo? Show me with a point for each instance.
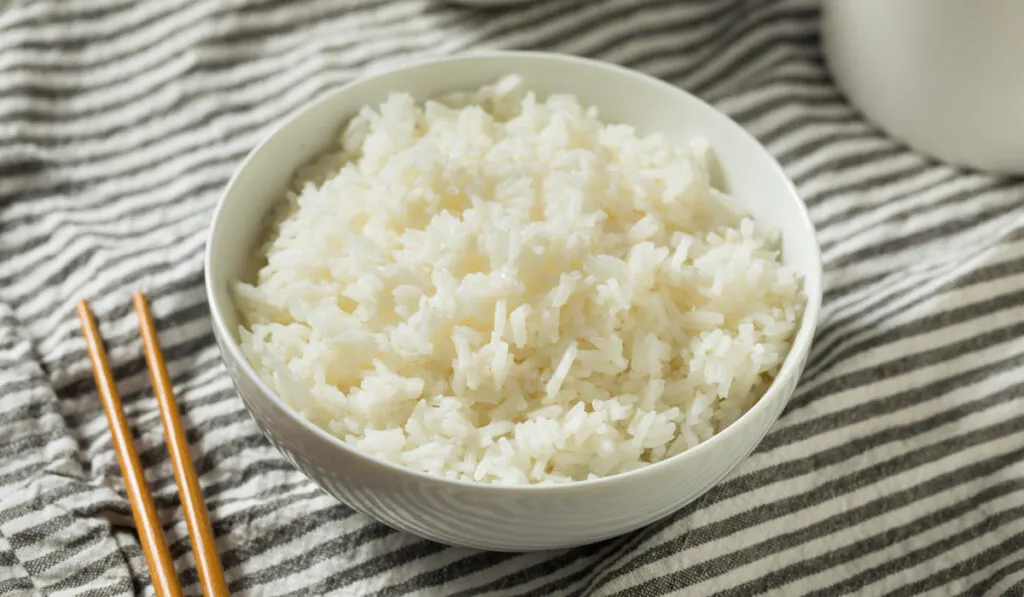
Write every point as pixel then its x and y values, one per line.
pixel 897 469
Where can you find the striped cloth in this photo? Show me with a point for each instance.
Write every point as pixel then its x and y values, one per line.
pixel 896 470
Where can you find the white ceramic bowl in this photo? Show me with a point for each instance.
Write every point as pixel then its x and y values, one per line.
pixel 487 516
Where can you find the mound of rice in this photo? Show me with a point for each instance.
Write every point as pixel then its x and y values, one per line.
pixel 501 288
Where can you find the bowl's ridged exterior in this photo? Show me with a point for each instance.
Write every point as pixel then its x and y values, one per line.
pixel 488 517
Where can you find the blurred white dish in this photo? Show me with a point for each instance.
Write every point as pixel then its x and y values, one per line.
pixel 488 516
pixel 945 76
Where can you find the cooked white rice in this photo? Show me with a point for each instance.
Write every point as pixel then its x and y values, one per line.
pixel 501 288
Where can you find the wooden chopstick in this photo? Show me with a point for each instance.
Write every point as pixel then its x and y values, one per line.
pixel 151 534
pixel 204 548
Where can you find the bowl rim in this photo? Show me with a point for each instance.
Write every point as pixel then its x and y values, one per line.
pixel 791 366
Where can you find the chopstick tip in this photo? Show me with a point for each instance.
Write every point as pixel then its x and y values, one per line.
pixel 139 299
pixel 82 308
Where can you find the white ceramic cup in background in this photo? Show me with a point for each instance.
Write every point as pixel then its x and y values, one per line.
pixel 944 76
pixel 491 516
